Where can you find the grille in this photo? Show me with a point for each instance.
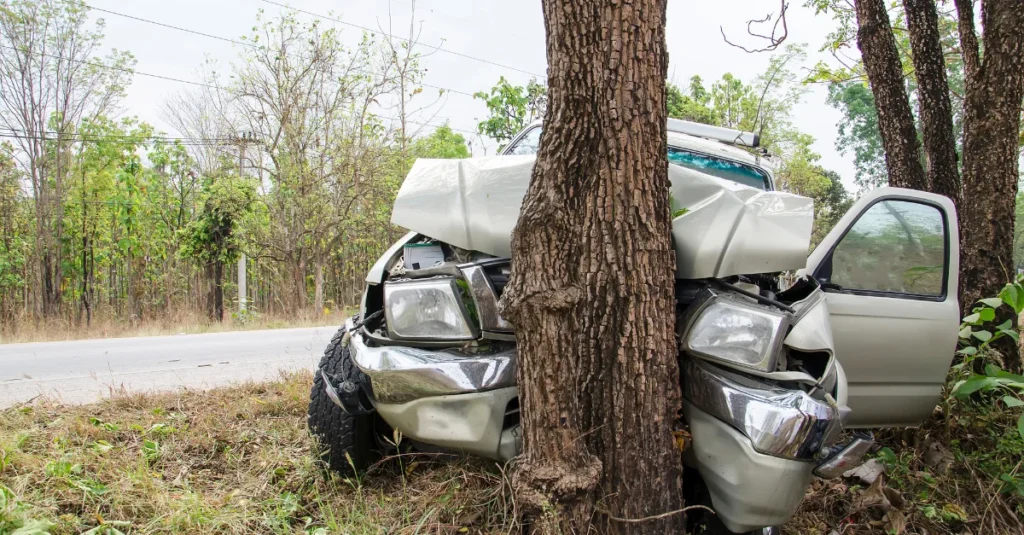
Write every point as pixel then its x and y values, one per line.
pixel 498 275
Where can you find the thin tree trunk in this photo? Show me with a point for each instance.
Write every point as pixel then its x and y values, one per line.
pixel 318 288
pixel 885 73
pixel 591 292
pixel 991 170
pixel 218 290
pixel 936 112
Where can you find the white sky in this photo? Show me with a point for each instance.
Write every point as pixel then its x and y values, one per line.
pixel 509 32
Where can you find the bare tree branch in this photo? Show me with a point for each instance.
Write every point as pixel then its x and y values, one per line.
pixel 774 39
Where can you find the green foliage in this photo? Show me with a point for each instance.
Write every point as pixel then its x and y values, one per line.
pixel 978 332
pixel 14 248
pixel 16 518
pixel 511 108
pixel 692 106
pixel 441 143
pixel 213 236
pixel 858 131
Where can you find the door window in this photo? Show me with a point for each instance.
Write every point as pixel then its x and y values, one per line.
pixel 895 247
pixel 528 144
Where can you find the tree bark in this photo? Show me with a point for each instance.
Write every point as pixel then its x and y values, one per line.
pixel 881 59
pixel 943 174
pixel 218 290
pixel 992 109
pixel 318 287
pixel 591 291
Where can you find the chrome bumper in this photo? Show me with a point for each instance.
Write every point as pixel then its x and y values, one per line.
pixel 399 374
pixel 782 423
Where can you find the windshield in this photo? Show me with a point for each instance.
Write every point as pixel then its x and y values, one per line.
pixel 717 167
pixel 729 170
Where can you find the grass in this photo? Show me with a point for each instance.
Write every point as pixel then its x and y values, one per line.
pixel 960 473
pixel 27 330
pixel 231 460
pixel 239 460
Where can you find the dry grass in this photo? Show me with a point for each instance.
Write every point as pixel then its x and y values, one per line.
pixel 941 479
pixel 239 460
pixel 232 460
pixel 27 330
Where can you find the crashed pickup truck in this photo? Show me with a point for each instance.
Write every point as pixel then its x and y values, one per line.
pixel 780 384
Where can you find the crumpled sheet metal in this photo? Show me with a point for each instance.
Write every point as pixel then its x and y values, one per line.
pixel 729 229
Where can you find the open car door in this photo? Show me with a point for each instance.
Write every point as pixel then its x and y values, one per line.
pixel 889 269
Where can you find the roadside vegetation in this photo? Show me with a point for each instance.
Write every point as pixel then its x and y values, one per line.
pixel 240 460
pixel 179 323
pixel 231 460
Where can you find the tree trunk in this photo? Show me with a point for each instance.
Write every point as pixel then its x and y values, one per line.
pixel 218 290
pixel 885 73
pixel 936 113
pixel 991 170
pixel 318 288
pixel 591 292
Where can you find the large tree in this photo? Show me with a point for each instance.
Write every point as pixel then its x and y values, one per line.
pixel 992 108
pixel 885 72
pixel 591 292
pixel 994 89
pixel 942 174
pixel 51 77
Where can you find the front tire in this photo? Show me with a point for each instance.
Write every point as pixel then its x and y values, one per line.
pixel 345 442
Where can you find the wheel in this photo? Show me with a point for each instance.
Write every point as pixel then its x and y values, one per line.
pixel 346 442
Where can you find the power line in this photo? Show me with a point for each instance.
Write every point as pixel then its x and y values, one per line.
pixel 116 68
pixel 237 42
pixel 171 26
pixel 113 139
pixel 191 82
pixel 156 137
pixel 379 32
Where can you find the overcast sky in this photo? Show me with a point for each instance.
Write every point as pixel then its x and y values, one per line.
pixel 509 32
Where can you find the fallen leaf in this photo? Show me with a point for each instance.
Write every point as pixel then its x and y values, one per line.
pixel 937 457
pixel 873 496
pixel 896 523
pixel 868 472
pixel 894 497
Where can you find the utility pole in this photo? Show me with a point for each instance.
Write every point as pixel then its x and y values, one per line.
pixel 242 140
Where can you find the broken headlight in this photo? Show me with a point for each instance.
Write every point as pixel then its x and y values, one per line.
pixel 736 332
pixel 427 309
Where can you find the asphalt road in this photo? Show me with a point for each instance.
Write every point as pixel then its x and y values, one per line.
pixel 82 371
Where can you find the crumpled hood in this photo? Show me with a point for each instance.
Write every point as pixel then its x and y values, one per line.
pixel 729 229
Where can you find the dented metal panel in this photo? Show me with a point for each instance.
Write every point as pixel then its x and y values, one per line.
pixel 729 229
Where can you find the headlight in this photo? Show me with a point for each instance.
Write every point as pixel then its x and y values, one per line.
pixel 736 332
pixel 430 309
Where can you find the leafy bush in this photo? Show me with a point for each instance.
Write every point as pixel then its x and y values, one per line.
pixel 978 380
pixel 977 335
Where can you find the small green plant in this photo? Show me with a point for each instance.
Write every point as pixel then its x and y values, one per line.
pixel 150 450
pixel 978 380
pixel 160 430
pixel 15 516
pixel 106 426
pixel 977 336
pixel 245 317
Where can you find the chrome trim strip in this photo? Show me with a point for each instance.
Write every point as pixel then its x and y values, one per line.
pixel 779 422
pixel 399 374
pixel 846 459
pixel 486 299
